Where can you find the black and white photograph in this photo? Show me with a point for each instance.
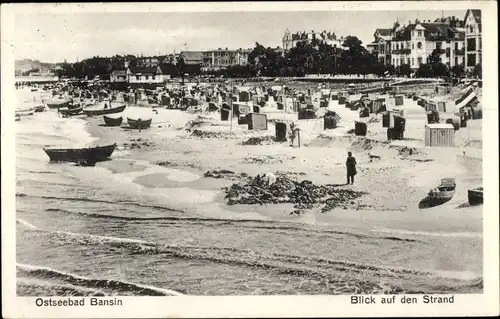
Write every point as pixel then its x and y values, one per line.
pixel 249 153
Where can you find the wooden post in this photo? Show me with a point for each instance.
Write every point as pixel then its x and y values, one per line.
pixel 231 113
pixel 298 137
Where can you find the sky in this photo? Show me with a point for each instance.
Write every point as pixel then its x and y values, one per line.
pixel 54 37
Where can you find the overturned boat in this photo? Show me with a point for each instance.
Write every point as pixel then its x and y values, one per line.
pixel 77 155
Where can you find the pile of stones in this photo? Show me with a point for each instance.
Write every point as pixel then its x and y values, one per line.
pixel 224 173
pixel 304 194
pixel 138 143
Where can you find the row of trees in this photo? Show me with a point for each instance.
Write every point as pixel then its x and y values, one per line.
pixel 313 57
pixel 316 57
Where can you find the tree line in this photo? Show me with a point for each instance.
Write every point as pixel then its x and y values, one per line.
pixel 314 57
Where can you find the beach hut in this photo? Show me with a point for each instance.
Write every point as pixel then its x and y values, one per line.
pixel 463 120
pixel 430 106
pixel 224 112
pixel 257 121
pixel 360 128
pixel 399 100
pixel 399 123
pixel 441 106
pixel 280 129
pixel 243 119
pixel 343 95
pixel 387 119
pixel 364 112
pixel 329 122
pixel 243 96
pixel 377 106
pixel 455 121
pixel 394 134
pixel 439 135
pixel 307 113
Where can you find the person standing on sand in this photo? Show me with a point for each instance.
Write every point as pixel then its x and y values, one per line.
pixel 350 164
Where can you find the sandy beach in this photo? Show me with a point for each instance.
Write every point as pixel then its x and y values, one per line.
pixel 184 146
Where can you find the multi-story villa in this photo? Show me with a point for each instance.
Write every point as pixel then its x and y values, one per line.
pixel 290 40
pixel 473 42
pixel 414 43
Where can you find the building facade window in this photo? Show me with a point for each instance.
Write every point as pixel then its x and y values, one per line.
pixel 438 45
pixel 456 60
pixel 413 46
pixel 471 44
pixel 419 60
pixel 471 59
pixel 456 46
pixel 412 61
pixel 419 45
pixel 471 29
pixel 419 33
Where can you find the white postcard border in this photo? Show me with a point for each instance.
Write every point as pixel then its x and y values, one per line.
pixel 256 306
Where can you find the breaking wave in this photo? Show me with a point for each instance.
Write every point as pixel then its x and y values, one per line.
pixel 116 286
pixel 355 273
pixel 250 223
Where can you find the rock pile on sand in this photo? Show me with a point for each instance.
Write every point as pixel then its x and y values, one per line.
pixel 266 159
pixel 213 134
pixel 138 143
pixel 224 173
pixel 260 140
pixel 304 195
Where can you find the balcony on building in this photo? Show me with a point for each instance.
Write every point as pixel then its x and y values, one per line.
pixel 401 51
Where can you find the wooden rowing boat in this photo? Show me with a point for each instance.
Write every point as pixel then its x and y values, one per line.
pixel 58 104
pixel 475 196
pixel 88 154
pixel 139 123
pixel 93 112
pixel 39 108
pixel 71 111
pixel 25 112
pixel 113 121
pixel 444 192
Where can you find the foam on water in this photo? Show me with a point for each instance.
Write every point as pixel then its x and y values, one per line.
pixel 46 272
pixel 52 127
pixel 25 224
pixel 431 234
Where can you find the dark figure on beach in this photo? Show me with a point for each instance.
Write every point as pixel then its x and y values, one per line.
pixel 350 164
